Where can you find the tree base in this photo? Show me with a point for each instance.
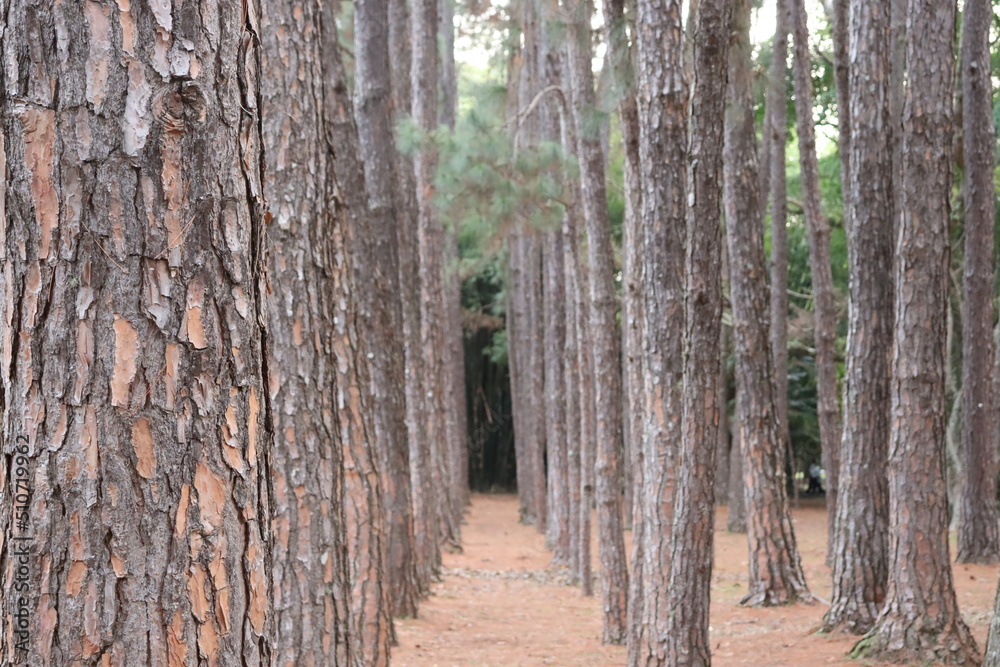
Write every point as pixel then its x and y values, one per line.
pixel 855 619
pixel 907 641
pixel 760 596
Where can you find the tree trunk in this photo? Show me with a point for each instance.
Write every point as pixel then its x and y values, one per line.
pixel 736 519
pixel 518 359
pixel 818 233
pixel 430 252
pixel 920 621
pixel 555 396
pixel 427 554
pixel 602 332
pixel 776 575
pixel 134 326
pixel 861 544
pixel 841 12
pixel 370 624
pixel 632 384
pixel 536 376
pixel 978 539
pixel 722 495
pixel 588 408
pixel 573 392
pixel 773 164
pixel 381 308
pixel 662 114
pixel 687 640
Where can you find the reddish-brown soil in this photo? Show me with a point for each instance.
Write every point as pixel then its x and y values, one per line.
pixel 500 604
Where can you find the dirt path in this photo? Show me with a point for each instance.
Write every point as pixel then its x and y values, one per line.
pixel 499 604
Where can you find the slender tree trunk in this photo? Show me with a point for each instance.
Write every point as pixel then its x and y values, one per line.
pixel 687 640
pixel 602 331
pixel 736 519
pixel 818 233
pixel 840 19
pixel 535 376
pixel 555 398
pixel 430 251
pixel 572 389
pixel 382 309
pixel 920 621
pixel 773 164
pixel 456 420
pixel 978 539
pixel 588 408
pixel 776 575
pixel 628 115
pixel 136 409
pixel 516 352
pixel 426 553
pixel 662 113
pixel 861 544
pixel 722 495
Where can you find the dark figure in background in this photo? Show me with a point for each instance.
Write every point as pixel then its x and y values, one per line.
pixel 814 479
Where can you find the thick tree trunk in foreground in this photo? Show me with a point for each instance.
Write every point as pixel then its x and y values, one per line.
pixel 135 374
pixel 381 309
pixel 776 575
pixel 662 113
pixel 920 621
pixel 861 546
pixel 978 538
pixel 818 233
pixel 687 640
pixel 603 333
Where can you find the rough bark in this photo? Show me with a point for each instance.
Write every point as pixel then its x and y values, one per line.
pixel 424 75
pixel 602 332
pixel 773 165
pixel 776 575
pixel 535 376
pixel 136 411
pixel 381 307
pixel 588 408
pixel 861 540
pixel 516 354
pixel 427 554
pixel 978 538
pixel 687 640
pixel 818 234
pixel 572 389
pixel 555 399
pixel 920 621
pixel 662 114
pixel 370 625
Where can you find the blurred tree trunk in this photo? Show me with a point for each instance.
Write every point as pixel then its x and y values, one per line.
pixel 776 575
pixel 862 540
pixel 920 620
pixel 818 233
pixel 978 539
pixel 623 76
pixel 455 411
pixel 381 309
pixel 687 639
pixel 427 554
pixel 555 397
pixel 425 74
pixel 602 330
pixel 839 15
pixel 662 100
pixel 773 175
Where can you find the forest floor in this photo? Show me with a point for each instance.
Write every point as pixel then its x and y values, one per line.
pixel 499 602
